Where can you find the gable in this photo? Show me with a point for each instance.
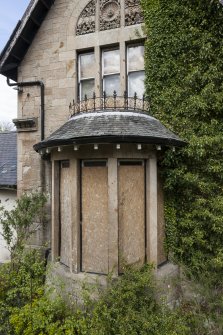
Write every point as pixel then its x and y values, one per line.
pixel 109 14
pixel 22 37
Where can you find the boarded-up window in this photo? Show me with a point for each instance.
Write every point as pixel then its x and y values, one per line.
pixel 131 197
pixel 94 203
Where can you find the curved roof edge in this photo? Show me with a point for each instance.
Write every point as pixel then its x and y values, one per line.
pixel 111 127
pixel 110 140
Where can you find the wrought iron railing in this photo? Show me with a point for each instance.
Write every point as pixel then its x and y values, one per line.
pixel 113 102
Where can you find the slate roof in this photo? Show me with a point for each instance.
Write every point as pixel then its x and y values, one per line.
pixel 8 159
pixel 111 126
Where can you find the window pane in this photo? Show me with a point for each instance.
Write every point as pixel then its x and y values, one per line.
pixel 136 84
pixel 136 58
pixel 87 65
pixel 87 87
pixel 111 84
pixel 111 61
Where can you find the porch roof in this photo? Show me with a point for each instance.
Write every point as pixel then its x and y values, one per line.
pixel 108 126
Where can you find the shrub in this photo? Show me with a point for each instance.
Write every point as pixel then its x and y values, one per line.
pixel 130 306
pixel 184 81
pixel 19 284
pixel 17 224
pixel 22 279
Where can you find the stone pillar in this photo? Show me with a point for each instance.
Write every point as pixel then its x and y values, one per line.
pixel 75 215
pixel 55 209
pixel 98 81
pixel 151 206
pixel 112 216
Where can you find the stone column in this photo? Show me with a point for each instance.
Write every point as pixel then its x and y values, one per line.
pixel 75 215
pixel 97 71
pixel 112 216
pixel 55 209
pixel 151 209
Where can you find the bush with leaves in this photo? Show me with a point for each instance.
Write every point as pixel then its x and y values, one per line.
pixel 18 223
pixel 184 82
pixel 21 280
pixel 20 283
pixel 129 305
pixel 201 304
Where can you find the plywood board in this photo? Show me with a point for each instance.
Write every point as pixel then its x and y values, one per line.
pixel 65 215
pixel 95 219
pixel 131 192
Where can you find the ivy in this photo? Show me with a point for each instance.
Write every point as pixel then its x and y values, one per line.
pixel 184 82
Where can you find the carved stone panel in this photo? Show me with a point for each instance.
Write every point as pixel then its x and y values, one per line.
pixel 133 12
pixel 86 21
pixel 110 15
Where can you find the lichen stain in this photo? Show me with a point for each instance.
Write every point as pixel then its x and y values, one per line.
pixel 70 64
pixel 61 46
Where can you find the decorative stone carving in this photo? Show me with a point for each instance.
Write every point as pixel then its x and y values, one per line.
pixel 86 21
pixel 110 16
pixel 133 12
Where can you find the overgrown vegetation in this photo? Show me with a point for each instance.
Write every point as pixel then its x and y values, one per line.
pixel 131 304
pixel 22 279
pixel 21 282
pixel 22 221
pixel 127 306
pixel 184 71
pixel 184 65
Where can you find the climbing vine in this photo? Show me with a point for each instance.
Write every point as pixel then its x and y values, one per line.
pixel 184 82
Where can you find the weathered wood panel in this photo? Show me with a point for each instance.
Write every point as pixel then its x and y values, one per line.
pixel 131 191
pixel 95 219
pixel 65 215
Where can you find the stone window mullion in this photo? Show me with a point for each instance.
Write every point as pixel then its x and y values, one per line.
pixel 123 79
pixel 98 71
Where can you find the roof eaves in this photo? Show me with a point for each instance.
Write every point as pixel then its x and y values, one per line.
pixel 9 68
pixel 17 31
pixel 8 187
pixel 10 40
pixel 110 139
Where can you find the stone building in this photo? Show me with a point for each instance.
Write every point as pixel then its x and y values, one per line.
pixel 79 69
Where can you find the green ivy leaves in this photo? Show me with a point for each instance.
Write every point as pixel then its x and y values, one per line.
pixel 184 81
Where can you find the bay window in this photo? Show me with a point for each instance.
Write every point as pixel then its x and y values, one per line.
pixel 112 72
